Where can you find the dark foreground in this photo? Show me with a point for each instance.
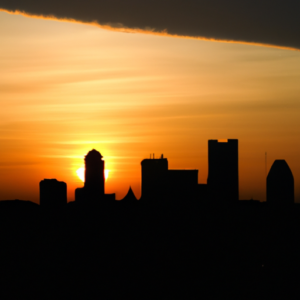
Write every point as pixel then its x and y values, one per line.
pixel 246 251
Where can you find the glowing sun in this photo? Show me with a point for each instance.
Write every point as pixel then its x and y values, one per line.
pixel 80 174
pixel 106 174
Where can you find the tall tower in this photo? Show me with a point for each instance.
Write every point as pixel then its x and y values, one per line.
pixel 94 171
pixel 154 178
pixel 280 183
pixel 223 171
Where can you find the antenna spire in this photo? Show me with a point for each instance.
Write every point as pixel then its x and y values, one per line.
pixel 266 169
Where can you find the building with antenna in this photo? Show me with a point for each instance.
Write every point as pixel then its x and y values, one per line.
pixel 161 185
pixel 154 178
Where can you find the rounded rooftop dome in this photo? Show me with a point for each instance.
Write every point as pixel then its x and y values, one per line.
pixel 93 154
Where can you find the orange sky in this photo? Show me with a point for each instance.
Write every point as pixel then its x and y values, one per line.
pixel 66 88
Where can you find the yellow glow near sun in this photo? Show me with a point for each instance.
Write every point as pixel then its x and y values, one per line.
pixel 106 174
pixel 80 174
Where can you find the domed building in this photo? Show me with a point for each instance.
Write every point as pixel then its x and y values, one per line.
pixel 94 179
pixel 94 172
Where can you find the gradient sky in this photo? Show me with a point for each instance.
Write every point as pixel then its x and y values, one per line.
pixel 66 88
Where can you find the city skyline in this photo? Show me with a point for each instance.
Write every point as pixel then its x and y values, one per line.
pixel 69 87
pixel 163 186
pixel 149 150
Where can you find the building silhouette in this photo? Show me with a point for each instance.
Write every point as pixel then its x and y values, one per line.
pixel 202 192
pixel 163 186
pixel 130 197
pixel 94 184
pixel 154 178
pixel 182 185
pixel 223 171
pixel 94 172
pixel 280 183
pixel 53 193
pixel 93 177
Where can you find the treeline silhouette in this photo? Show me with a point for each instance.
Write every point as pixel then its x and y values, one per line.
pixel 185 244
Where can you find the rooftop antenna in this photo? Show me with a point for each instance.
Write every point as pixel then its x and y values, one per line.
pixel 153 155
pixel 266 173
pixel 266 165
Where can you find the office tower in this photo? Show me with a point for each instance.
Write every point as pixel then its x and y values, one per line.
pixel 223 171
pixel 94 178
pixel 94 172
pixel 280 183
pixel 168 187
pixel 154 178
pixel 53 193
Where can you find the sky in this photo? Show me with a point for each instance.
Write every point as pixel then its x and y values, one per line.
pixel 274 22
pixel 69 87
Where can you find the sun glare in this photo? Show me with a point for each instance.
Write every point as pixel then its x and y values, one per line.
pixel 80 174
pixel 106 174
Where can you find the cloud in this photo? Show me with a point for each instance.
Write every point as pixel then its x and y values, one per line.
pixel 269 22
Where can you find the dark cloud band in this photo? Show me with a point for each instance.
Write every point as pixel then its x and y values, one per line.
pixel 273 22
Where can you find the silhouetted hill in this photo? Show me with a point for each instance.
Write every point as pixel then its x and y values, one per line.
pixel 109 250
pixel 17 204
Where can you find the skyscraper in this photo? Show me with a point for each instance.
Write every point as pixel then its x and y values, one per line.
pixel 94 172
pixel 154 178
pixel 94 178
pixel 167 187
pixel 223 171
pixel 280 183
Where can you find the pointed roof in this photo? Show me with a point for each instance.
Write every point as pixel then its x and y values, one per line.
pixel 130 197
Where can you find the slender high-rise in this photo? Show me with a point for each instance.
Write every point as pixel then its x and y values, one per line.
pixel 94 172
pixel 94 178
pixel 223 171
pixel 154 178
